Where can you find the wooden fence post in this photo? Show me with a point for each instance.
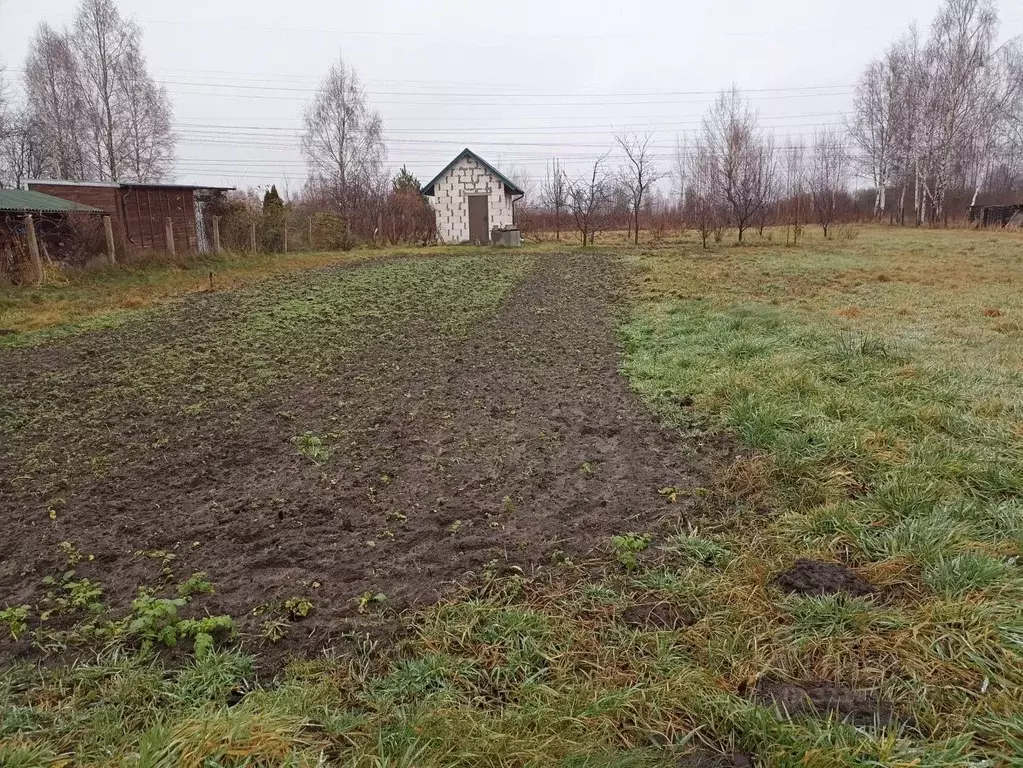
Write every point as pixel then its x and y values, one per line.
pixel 252 237
pixel 33 249
pixel 108 230
pixel 285 238
pixel 216 235
pixel 170 236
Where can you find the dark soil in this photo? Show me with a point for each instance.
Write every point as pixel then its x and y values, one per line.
pixel 812 577
pixel 716 760
pixel 819 699
pixel 657 616
pixel 504 446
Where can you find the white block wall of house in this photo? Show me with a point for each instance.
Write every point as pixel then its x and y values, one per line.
pixel 468 177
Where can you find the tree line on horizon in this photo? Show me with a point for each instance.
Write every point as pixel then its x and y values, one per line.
pixel 937 121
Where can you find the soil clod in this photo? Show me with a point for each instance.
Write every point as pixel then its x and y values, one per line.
pixel 813 577
pixel 657 616
pixel 823 700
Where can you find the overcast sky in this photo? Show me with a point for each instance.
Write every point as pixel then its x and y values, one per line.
pixel 518 82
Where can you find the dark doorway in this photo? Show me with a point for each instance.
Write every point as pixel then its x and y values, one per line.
pixel 479 219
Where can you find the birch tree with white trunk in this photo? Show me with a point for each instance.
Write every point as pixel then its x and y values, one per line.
pixel 56 107
pixel 343 139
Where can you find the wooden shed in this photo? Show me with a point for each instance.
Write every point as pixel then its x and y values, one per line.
pixel 140 212
pixel 33 225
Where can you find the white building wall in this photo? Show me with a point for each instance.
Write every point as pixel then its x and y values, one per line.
pixel 468 177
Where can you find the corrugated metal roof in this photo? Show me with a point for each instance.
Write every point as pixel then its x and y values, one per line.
pixel 26 201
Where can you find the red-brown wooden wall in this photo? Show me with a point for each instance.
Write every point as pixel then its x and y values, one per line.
pixel 138 214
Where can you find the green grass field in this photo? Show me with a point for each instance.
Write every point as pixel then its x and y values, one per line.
pixel 876 384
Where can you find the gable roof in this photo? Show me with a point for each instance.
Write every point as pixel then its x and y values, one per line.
pixel 508 183
pixel 26 201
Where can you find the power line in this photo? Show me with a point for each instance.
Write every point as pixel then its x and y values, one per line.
pixel 490 94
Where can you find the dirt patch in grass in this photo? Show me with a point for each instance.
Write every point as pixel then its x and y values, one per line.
pixel 812 577
pixel 824 700
pixel 413 455
pixel 657 616
pixel 716 760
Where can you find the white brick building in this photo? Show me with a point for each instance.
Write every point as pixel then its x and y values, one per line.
pixel 470 198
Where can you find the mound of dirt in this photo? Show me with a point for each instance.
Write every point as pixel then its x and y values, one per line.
pixel 657 616
pixel 813 577
pixel 820 699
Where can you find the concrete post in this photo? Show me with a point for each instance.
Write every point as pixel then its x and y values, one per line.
pixel 108 230
pixel 285 238
pixel 170 236
pixel 216 235
pixel 33 249
pixel 252 237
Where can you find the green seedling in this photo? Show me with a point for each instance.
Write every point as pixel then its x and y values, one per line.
pixel 298 607
pixel 312 447
pixel 627 545
pixel 368 599
pixel 15 618
pixel 670 493
pixel 196 584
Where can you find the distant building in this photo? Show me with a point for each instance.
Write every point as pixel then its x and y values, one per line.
pixel 995 215
pixel 139 212
pixel 471 198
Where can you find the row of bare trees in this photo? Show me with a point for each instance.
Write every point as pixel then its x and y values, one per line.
pixel 938 121
pixel 90 110
pixel 595 201
pixel 728 174
pixel 941 115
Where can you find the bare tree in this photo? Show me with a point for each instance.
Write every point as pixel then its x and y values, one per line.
pixel 1000 113
pixel 343 141
pixel 147 143
pixel 680 170
pixel 741 160
pixel 794 188
pixel 588 199
pixel 554 193
pixel 55 103
pixel 94 112
pixel 5 107
pixel 638 173
pixel 872 128
pixel 960 47
pixel 21 156
pixel 103 41
pixel 827 175
pixel 904 62
pixel 704 199
pixel 767 180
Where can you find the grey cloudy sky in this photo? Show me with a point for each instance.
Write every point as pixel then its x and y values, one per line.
pixel 519 82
